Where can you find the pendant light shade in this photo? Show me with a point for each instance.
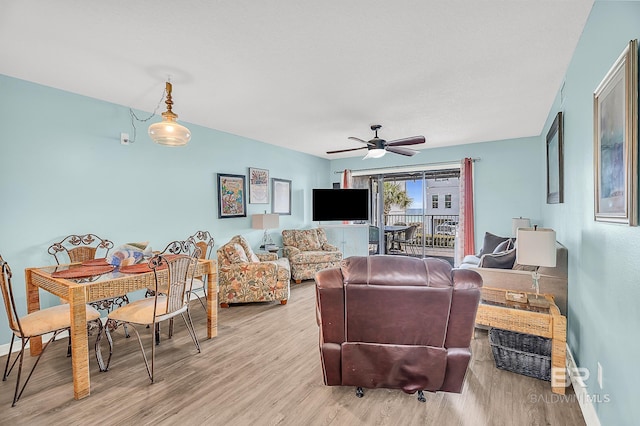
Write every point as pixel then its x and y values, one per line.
pixel 168 132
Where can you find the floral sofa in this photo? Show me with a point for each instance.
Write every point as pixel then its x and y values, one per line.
pixel 308 252
pixel 244 276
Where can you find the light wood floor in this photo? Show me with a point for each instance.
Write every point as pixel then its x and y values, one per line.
pixel 264 369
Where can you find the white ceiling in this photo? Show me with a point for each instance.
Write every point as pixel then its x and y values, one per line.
pixel 307 74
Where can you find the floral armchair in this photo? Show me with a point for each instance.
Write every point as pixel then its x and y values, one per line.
pixel 244 276
pixel 308 252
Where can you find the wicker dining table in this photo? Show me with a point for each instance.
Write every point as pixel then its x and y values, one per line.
pixel 78 292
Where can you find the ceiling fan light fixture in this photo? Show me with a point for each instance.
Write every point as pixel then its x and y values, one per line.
pixel 168 132
pixel 375 153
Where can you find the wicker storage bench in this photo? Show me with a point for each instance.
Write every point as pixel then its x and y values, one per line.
pixel 521 353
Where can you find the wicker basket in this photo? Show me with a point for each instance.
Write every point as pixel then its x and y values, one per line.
pixel 521 353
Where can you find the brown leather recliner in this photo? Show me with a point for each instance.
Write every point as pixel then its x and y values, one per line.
pixel 396 322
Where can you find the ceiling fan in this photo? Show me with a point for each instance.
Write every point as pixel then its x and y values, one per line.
pixel 378 147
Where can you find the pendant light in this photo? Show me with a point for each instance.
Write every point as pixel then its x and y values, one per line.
pixel 168 132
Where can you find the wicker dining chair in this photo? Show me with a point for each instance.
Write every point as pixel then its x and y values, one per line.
pixel 205 242
pixel 82 248
pixel 50 320
pixel 173 271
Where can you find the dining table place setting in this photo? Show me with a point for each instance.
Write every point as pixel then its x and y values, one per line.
pixel 82 271
pixel 129 258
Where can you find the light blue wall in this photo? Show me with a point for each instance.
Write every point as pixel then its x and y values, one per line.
pixel 508 178
pixel 63 171
pixel 604 268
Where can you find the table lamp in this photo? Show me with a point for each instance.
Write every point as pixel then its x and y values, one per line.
pixel 536 247
pixel 265 221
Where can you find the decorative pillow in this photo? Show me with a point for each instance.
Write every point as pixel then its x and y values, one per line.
pixel 504 260
pixel 129 254
pixel 251 256
pixel 307 239
pixel 235 253
pixel 490 243
pixel 504 246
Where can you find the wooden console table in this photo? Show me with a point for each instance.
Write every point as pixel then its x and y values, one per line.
pixel 496 311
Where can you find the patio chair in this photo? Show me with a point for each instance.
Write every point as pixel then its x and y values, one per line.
pixel 403 241
pixel 374 240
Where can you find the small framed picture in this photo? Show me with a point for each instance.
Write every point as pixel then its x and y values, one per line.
pixel 231 196
pixel 258 186
pixel 281 196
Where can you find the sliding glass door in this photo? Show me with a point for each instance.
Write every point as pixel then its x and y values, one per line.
pixel 415 213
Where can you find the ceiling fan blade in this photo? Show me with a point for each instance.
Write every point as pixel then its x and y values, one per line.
pixel 401 151
pixel 346 150
pixel 414 140
pixel 358 139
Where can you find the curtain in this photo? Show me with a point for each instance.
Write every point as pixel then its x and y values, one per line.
pixel 465 240
pixel 346 181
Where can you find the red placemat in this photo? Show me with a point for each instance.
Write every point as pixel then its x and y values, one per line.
pixel 96 262
pixel 83 271
pixel 139 268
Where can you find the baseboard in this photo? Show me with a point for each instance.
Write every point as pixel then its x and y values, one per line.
pixel 582 395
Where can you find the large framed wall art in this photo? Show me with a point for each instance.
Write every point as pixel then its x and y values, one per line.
pixel 555 170
pixel 615 117
pixel 232 200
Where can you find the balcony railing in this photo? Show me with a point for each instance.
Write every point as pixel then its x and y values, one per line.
pixel 432 231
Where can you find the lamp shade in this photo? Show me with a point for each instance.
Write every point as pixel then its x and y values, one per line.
pixel 536 247
pixel 519 222
pixel 265 221
pixel 168 132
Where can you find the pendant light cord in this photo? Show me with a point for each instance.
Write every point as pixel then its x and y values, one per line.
pixel 135 118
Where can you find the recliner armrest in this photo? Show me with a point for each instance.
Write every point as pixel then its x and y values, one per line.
pixel 330 305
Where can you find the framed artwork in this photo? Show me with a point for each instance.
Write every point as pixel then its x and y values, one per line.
pixel 231 196
pixel 258 186
pixel 615 117
pixel 555 167
pixel 280 196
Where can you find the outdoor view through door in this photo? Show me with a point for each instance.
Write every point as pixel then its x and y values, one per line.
pixel 418 215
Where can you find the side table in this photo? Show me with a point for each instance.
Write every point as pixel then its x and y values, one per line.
pixel 497 309
pixel 270 249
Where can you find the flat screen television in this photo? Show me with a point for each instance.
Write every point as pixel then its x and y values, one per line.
pixel 340 204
